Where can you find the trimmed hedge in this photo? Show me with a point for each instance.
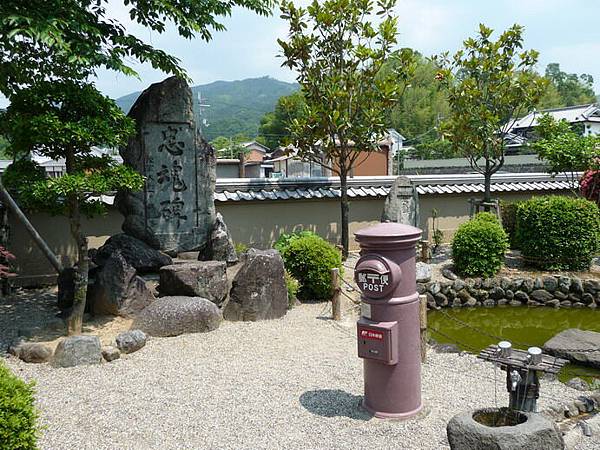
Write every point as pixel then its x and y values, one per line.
pixel 309 258
pixel 17 413
pixel 558 232
pixel 508 212
pixel 478 246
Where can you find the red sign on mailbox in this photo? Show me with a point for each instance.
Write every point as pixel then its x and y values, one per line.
pixel 370 334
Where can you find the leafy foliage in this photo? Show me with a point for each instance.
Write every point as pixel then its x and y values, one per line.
pixel 68 39
pixel 489 82
pixel 293 286
pixel 572 89
pixel 508 212
pixel 309 258
pixel 275 126
pixel 590 186
pixel 21 174
pixel 435 149
pixel 18 430
pixel 478 246
pixel 558 232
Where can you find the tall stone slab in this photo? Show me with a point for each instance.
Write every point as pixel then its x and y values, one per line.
pixel 401 203
pixel 175 212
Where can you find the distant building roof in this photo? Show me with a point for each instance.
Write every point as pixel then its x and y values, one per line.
pixel 572 114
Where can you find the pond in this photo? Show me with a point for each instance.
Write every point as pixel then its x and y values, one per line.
pixel 519 325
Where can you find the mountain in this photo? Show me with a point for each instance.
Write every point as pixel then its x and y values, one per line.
pixel 235 106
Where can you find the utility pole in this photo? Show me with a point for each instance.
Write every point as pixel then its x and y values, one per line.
pixel 201 106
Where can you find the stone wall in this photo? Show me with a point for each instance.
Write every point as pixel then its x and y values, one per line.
pixel 555 291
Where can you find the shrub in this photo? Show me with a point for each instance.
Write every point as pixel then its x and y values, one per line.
pixel 309 258
pixel 17 413
pixel 284 240
pixel 240 248
pixel 293 286
pixel 478 246
pixel 508 212
pixel 558 233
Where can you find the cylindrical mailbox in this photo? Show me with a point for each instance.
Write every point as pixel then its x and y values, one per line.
pixel 388 329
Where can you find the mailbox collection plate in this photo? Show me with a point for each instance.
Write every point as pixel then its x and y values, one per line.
pixel 376 276
pixel 377 340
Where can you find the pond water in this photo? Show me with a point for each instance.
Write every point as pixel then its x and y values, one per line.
pixel 519 325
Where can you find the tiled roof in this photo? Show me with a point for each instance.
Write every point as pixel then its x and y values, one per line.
pixel 248 189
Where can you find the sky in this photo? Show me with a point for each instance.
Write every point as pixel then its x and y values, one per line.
pixel 561 32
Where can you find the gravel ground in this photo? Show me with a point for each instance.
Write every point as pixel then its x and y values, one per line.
pixel 290 383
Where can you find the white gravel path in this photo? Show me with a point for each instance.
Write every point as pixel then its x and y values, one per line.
pixel 293 383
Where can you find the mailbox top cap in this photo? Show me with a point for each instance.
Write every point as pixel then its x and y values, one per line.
pixel 389 231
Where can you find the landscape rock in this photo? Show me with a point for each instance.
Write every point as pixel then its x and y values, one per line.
pixel 31 352
pixel 207 279
pixel 496 293
pixel 138 254
pixel 424 272
pixel 447 273
pixel 576 285
pixel 401 205
pixel 220 245
pixel 550 283
pixel 541 296
pixel 110 353
pixel 446 348
pixel 566 343
pixel 77 350
pixel 131 341
pixel 258 290
pixel 578 383
pixel 564 284
pixel 118 290
pixel 172 316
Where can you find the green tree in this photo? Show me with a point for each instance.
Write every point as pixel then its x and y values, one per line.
pixel 275 126
pixel 58 39
pixel 338 54
pixel 489 82
pixel 230 147
pixel 64 120
pixel 573 89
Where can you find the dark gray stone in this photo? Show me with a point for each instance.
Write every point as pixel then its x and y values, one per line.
pixel 175 211
pixel 441 299
pixel 578 384
pixel 578 305
pixel 434 287
pixel 77 350
pixel 220 245
pixel 489 302
pixel 496 293
pixel 576 285
pixel 566 343
pixel 564 284
pixel 424 272
pixel 118 290
pixel 131 341
pixel 400 204
pixel 505 283
pixel 541 295
pixel 258 290
pixel 527 286
pixel 431 301
pixel 550 283
pixel 516 284
pixel 587 298
pixel 172 316
pixel 566 303
pixel 459 285
pixel 509 295
pixel 207 279
pixel 554 303
pixel 537 432
pixel 31 352
pixel 110 353
pixel 538 283
pixel 138 254
pixel 447 273
pixel 421 288
pixel 521 297
pixel 560 295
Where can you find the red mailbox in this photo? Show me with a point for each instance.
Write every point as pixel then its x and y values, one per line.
pixel 388 330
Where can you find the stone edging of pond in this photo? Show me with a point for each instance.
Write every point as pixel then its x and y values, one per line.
pixel 584 404
pixel 549 290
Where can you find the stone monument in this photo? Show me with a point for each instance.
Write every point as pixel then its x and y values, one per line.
pixel 175 211
pixel 401 204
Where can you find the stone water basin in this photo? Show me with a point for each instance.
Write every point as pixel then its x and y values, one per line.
pixel 527 325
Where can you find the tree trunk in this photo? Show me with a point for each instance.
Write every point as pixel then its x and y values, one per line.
pixel 345 212
pixel 487 192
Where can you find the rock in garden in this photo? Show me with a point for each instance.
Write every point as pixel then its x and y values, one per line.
pixel 578 383
pixel 175 212
pixel 131 341
pixel 541 296
pixel 110 353
pixel 496 293
pixel 567 343
pixel 400 204
pixel 137 253
pixel 424 272
pixel 550 283
pixel 206 279
pixel 434 287
pixel 441 299
pixel 172 316
pixel 564 284
pixel 447 273
pixel 118 290
pixel 220 245
pixel 77 350
pixel 446 348
pixel 258 290
pixel 576 285
pixel 31 352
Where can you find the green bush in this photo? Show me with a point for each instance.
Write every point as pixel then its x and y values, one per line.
pixel 558 232
pixel 508 212
pixel 293 286
pixel 17 413
pixel 309 258
pixel 240 248
pixel 284 240
pixel 478 246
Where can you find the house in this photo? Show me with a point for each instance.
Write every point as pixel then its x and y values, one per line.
pixel 255 151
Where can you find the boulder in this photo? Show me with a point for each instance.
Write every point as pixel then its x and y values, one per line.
pixel 447 273
pixel 77 350
pixel 118 290
pixel 31 352
pixel 401 205
pixel 578 384
pixel 131 341
pixel 110 353
pixel 138 254
pixel 541 296
pixel 220 245
pixel 567 343
pixel 172 316
pixel 258 290
pixel 207 279
pixel 424 272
